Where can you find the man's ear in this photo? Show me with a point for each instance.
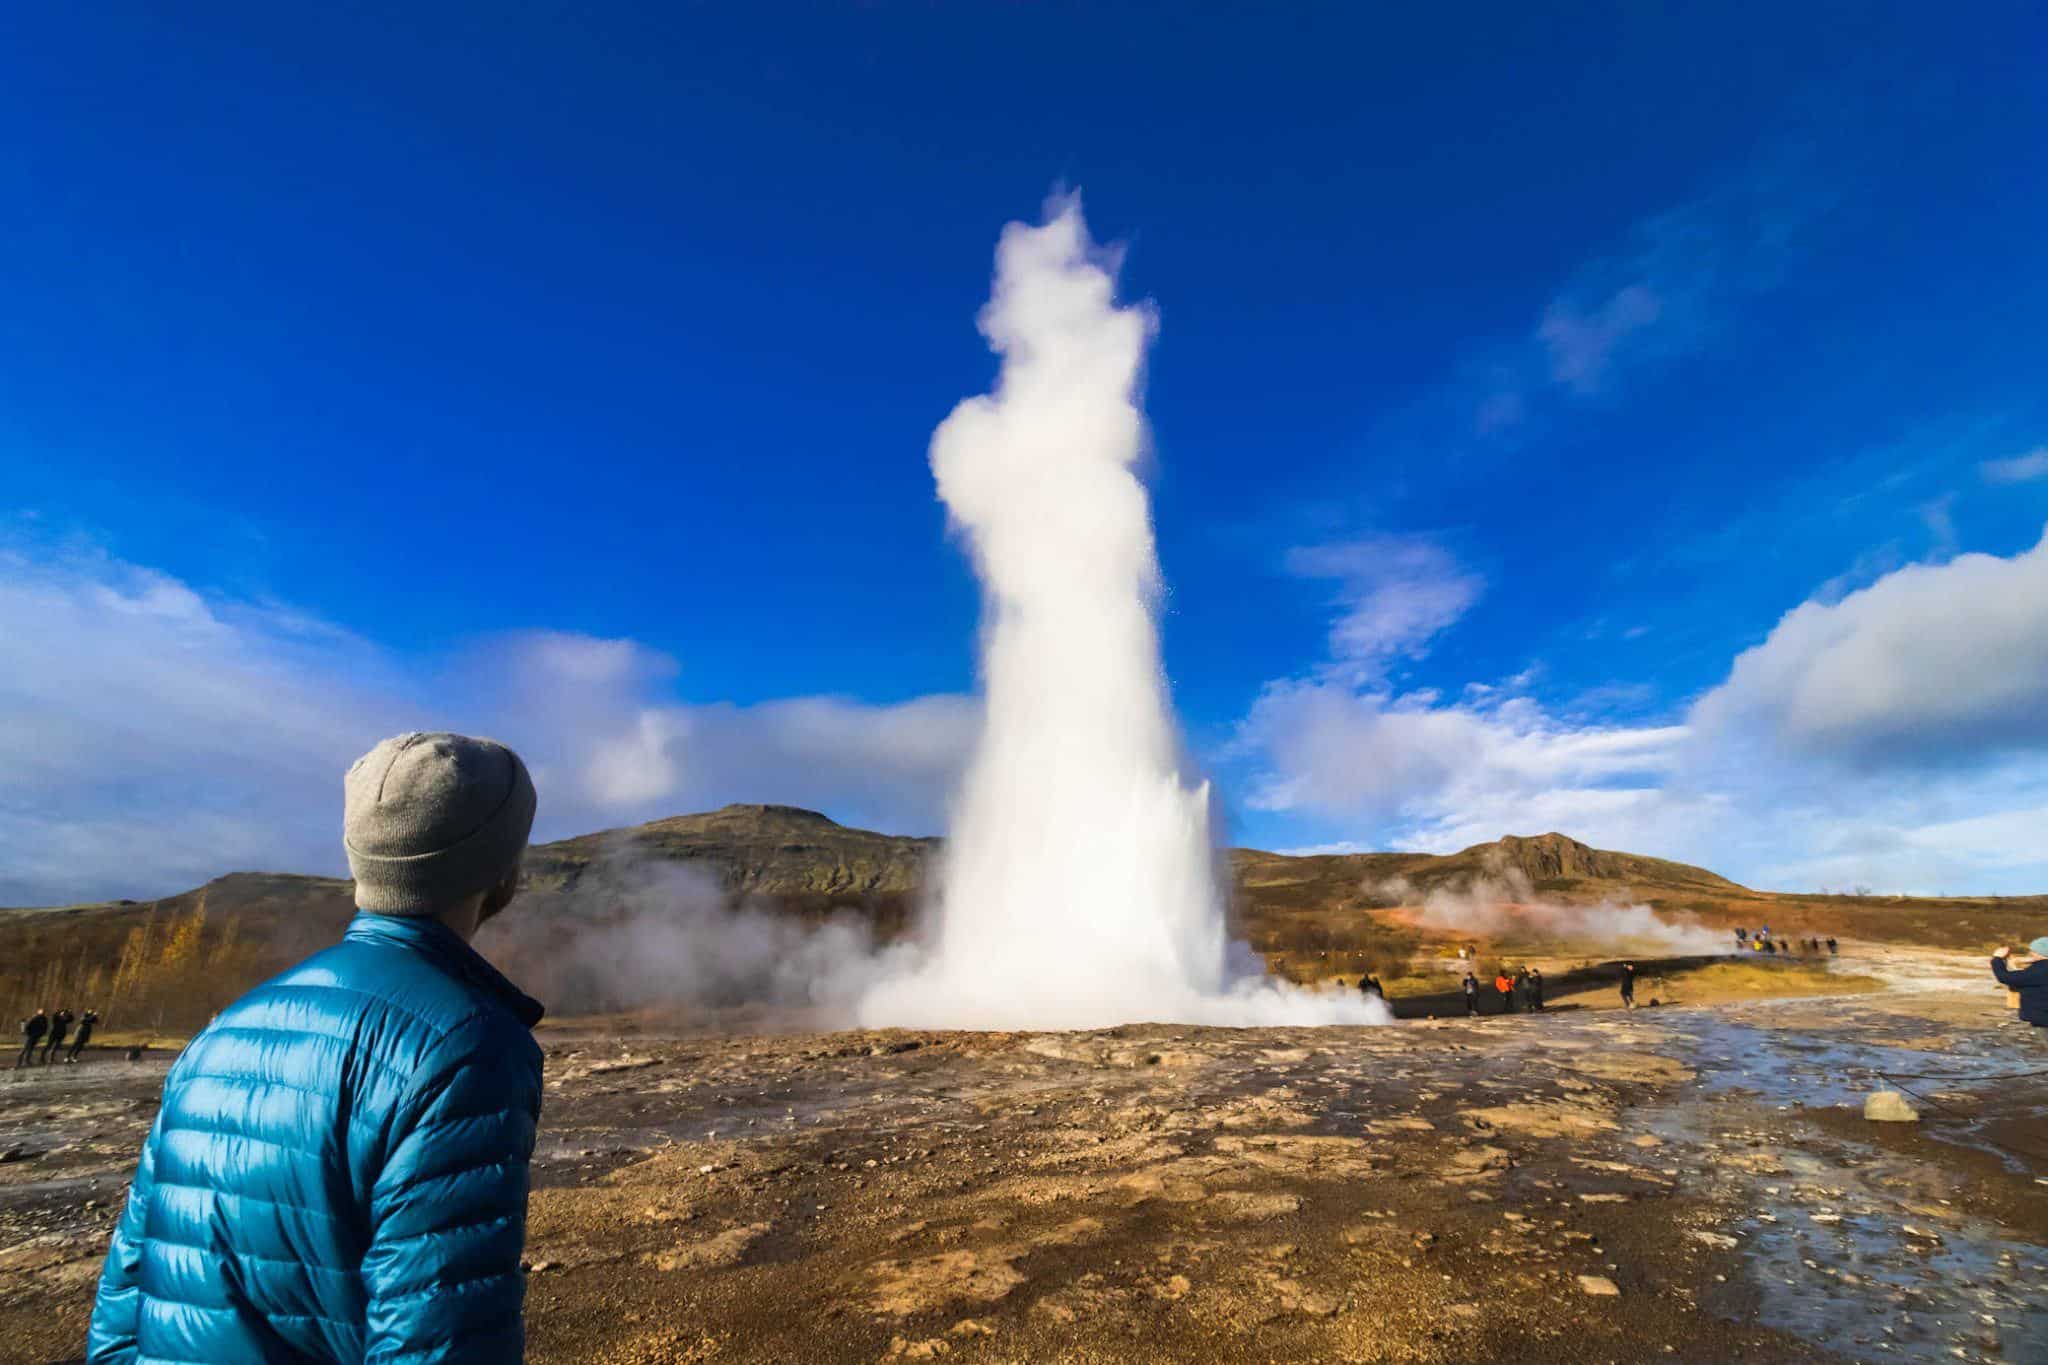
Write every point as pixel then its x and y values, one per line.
pixel 498 897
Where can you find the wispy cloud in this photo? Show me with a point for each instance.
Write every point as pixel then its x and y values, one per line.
pixel 1396 594
pixel 1582 345
pixel 2018 468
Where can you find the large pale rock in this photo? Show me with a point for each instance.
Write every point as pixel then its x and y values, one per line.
pixel 1889 1106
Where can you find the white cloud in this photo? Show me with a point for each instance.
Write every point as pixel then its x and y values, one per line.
pixel 1398 592
pixel 153 735
pixel 1436 770
pixel 1931 665
pixel 2017 469
pixel 1892 737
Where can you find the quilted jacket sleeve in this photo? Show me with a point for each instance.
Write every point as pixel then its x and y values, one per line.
pixel 448 1208
pixel 2033 974
pixel 116 1311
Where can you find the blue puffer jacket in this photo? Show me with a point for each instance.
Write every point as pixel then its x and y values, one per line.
pixel 2031 981
pixel 339 1168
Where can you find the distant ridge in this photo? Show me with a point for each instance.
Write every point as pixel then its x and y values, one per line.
pixel 774 850
pixel 1307 915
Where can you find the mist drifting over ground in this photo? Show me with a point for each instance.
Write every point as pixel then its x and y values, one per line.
pixel 1079 886
pixel 1506 906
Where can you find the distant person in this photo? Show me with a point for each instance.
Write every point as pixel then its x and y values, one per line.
pixel 1505 986
pixel 1832 950
pixel 2030 981
pixel 1536 987
pixel 83 1036
pixel 1628 985
pixel 1471 984
pixel 1784 948
pixel 33 1030
pixel 1770 947
pixel 60 1027
pixel 1741 939
pixel 1370 987
pixel 338 1171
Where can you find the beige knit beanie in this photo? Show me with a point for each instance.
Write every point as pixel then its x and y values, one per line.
pixel 431 819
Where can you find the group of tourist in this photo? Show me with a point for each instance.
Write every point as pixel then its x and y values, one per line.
pixel 48 1031
pixel 1523 990
pixel 1762 942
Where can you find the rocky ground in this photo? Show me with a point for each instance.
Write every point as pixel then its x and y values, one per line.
pixel 1683 1183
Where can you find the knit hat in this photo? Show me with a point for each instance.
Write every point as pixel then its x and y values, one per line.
pixel 431 819
pixel 2039 947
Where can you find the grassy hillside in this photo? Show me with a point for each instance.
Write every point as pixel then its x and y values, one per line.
pixel 171 963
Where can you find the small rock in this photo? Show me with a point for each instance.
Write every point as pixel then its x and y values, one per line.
pixel 1599 1286
pixel 1889 1106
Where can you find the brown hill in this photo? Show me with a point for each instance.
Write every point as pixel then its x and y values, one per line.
pixel 751 850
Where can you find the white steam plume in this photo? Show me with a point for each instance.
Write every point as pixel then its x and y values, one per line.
pixel 1506 906
pixel 1079 887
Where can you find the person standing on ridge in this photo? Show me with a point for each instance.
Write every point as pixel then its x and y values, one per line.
pixel 1628 985
pixel 1536 988
pixel 83 1036
pixel 32 1030
pixel 1832 951
pixel 1505 985
pixel 1471 984
pixel 338 1172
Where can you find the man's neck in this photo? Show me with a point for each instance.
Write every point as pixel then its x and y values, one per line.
pixel 462 919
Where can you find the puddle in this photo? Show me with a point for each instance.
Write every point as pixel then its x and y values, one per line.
pixel 1848 1274
pixel 1835 1255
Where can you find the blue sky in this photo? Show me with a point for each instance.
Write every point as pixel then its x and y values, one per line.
pixel 570 376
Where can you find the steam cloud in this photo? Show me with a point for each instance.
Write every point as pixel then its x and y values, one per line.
pixel 1079 886
pixel 1505 905
pixel 636 933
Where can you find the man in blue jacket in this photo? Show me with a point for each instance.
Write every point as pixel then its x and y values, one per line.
pixel 339 1168
pixel 2031 981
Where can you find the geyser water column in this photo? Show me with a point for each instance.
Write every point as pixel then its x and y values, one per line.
pixel 1078 887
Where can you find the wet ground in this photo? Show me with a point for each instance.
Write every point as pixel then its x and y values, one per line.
pixel 1690 1184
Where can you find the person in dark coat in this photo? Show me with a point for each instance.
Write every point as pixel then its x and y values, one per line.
pixel 1628 984
pixel 2031 981
pixel 83 1036
pixel 1832 951
pixel 33 1030
pixel 1370 986
pixel 1536 987
pixel 339 1168
pixel 60 1027
pixel 1471 996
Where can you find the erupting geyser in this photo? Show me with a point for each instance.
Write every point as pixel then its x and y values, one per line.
pixel 1079 887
